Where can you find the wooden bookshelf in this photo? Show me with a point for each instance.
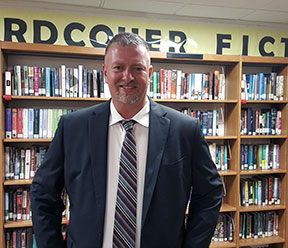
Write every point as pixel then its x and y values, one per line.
pixel 54 55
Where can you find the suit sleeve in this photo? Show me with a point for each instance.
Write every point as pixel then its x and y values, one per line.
pixel 46 203
pixel 206 195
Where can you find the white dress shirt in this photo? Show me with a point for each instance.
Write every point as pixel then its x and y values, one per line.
pixel 116 134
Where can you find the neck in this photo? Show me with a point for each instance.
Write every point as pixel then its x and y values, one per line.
pixel 127 111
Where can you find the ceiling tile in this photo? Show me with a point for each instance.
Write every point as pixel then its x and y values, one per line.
pixel 213 12
pixel 246 4
pixel 143 6
pixel 267 16
pixel 279 5
pixel 92 3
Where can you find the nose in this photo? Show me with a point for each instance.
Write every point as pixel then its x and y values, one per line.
pixel 128 75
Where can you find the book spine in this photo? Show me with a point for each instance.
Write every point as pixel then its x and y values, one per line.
pixel 14 123
pixel 8 83
pixel 36 81
pixel 27 163
pixel 20 123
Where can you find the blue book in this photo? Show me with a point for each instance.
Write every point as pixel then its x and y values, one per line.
pixel 48 81
pixel 34 241
pixel 256 192
pixel 30 123
pixel 261 86
pixel 52 82
pixel 242 157
pixel 205 123
pixel 253 97
pixel 8 128
pixel 250 157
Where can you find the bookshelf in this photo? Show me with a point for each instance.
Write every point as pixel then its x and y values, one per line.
pixel 234 66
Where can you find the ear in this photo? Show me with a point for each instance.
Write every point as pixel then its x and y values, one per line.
pixel 150 71
pixel 104 72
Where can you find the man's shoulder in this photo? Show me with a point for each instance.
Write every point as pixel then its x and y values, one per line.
pixel 87 112
pixel 172 114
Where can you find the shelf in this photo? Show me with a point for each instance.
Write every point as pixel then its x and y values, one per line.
pixel 49 140
pixel 227 208
pixel 261 241
pixel 227 173
pixel 243 102
pixel 95 99
pixel 220 137
pixel 195 101
pixel 260 172
pixel 222 244
pixel 27 140
pixel 51 98
pixel 24 223
pixel 254 208
pixel 263 136
pixel 17 182
pixel 18 224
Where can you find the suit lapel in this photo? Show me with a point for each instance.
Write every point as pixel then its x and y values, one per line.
pixel 98 135
pixel 158 132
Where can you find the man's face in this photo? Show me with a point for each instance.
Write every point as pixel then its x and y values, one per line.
pixel 127 71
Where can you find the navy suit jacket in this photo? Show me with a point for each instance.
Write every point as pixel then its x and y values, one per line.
pixel 178 160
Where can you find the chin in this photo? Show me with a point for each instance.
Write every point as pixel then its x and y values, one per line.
pixel 129 100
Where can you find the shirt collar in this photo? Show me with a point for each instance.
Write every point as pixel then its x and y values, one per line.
pixel 142 117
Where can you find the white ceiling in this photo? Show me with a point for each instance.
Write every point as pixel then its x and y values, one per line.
pixel 274 12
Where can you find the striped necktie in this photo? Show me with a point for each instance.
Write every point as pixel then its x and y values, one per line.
pixel 125 212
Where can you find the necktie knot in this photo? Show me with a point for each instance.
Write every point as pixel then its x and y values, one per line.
pixel 128 124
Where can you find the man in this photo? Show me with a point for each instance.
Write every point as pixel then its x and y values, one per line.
pixel 171 159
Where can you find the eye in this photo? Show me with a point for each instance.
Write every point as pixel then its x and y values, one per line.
pixel 139 69
pixel 117 67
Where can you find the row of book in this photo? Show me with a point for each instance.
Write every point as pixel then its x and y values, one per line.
pixel 32 123
pixel 176 84
pixel 260 156
pixel 262 86
pixel 220 155
pixel 224 229
pixel 212 121
pixel 81 82
pixel 259 225
pixel 260 191
pixel 22 163
pixel 59 81
pixel 20 238
pixel 17 204
pixel 261 122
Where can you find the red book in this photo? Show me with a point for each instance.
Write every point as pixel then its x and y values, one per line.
pixel 20 123
pixel 257 122
pixel 186 93
pixel 36 81
pixel 270 193
pixel 169 83
pixel 162 83
pixel 19 201
pixel 211 85
pixel 245 122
